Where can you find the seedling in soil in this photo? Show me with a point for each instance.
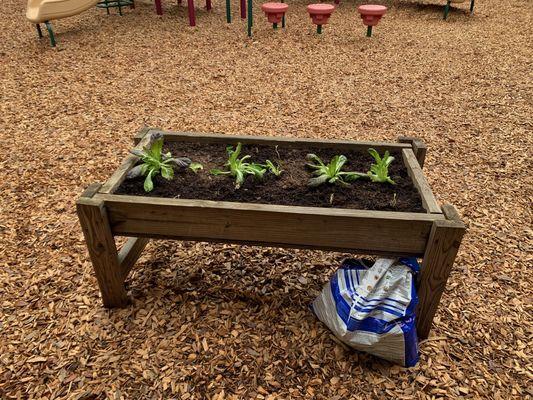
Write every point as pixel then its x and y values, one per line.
pixel 330 173
pixel 379 172
pixel 195 167
pixel 274 169
pixel 238 167
pixel 155 162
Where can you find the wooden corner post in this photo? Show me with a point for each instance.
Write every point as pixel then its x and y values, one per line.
pixel 419 148
pixel 442 247
pixel 102 248
pixel 110 266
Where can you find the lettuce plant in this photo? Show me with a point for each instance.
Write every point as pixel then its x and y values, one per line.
pixel 273 169
pixel 238 167
pixel 332 172
pixel 379 171
pixel 153 162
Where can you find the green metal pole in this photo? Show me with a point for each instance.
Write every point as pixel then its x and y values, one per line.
pixel 275 25
pixel 250 18
pixel 447 9
pixel 39 31
pixel 471 6
pixel 369 31
pixel 50 33
pixel 228 11
pixel 319 29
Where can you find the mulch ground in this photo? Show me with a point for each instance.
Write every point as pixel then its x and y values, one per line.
pixel 221 321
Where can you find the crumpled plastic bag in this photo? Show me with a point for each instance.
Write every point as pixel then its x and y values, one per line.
pixel 371 308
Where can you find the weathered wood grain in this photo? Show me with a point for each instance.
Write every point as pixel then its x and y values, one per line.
pixel 276 141
pixel 120 174
pixel 443 245
pixel 130 253
pixel 418 146
pixel 340 229
pixel 102 250
pixel 419 180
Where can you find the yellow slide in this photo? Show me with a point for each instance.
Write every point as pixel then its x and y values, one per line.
pixel 39 11
pixel 46 10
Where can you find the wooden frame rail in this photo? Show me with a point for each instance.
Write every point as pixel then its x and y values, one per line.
pixel 434 236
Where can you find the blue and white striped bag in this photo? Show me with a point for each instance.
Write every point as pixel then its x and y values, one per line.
pixel 372 308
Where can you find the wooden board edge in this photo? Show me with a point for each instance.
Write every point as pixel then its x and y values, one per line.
pixel 91 190
pixel 277 140
pixel 338 212
pixel 418 146
pixel 452 215
pixel 142 133
pixel 283 245
pixel 120 173
pixel 414 170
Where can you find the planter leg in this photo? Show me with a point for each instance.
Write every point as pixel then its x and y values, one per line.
pixel 441 250
pixel 39 31
pixel 102 249
pixel 472 6
pixel 447 9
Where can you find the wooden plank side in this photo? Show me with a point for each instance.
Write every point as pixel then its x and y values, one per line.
pixel 367 231
pixel 278 141
pixel 120 174
pixel 130 253
pixel 443 245
pixel 419 180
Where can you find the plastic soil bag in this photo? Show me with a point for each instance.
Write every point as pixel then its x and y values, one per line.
pixel 371 308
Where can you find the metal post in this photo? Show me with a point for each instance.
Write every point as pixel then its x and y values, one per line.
pixel 243 9
pixel 50 33
pixel 471 6
pixel 369 31
pixel 228 11
pixel 283 18
pixel 319 29
pixel 158 8
pixel 190 9
pixel 119 7
pixel 275 25
pixel 39 31
pixel 447 9
pixel 250 17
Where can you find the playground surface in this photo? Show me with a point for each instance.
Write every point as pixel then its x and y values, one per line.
pixel 223 321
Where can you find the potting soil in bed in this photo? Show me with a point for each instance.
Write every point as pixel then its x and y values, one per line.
pixel 290 188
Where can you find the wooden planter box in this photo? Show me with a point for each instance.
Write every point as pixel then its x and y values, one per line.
pixel 434 236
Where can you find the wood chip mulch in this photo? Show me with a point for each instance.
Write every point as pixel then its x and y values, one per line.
pixel 228 322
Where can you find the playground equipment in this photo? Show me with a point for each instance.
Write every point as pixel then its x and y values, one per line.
pixel 190 9
pixel 371 14
pixel 449 2
pixel 320 14
pixel 275 13
pixel 44 11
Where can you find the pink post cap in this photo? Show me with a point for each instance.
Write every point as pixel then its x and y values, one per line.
pixel 320 13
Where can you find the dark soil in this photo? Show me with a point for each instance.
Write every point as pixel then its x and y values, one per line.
pixel 288 189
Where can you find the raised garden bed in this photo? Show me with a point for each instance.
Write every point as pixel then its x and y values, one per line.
pixel 391 220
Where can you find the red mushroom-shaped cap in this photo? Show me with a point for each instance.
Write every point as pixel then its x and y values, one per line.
pixel 320 13
pixel 371 13
pixel 274 11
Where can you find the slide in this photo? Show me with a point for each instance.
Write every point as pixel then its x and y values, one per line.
pixel 46 10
